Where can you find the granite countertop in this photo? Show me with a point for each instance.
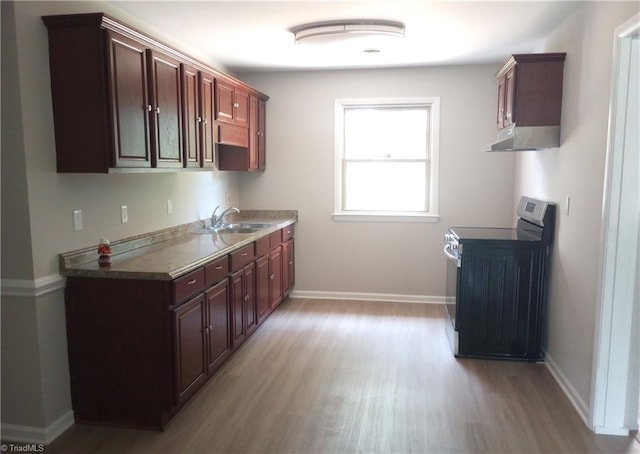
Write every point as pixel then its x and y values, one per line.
pixel 170 253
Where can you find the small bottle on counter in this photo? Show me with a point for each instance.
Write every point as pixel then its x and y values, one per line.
pixel 104 252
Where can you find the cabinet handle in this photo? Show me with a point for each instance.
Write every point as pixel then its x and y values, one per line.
pixel 149 108
pixel 192 281
pixel 210 328
pixel 157 110
pixel 288 232
pixel 206 330
pixel 235 104
pixel 199 119
pixel 206 121
pixel 219 267
pixel 244 254
pixel 290 263
pixel 272 277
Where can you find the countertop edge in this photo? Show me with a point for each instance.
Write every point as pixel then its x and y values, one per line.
pixel 71 263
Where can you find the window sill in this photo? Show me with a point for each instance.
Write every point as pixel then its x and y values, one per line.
pixel 386 217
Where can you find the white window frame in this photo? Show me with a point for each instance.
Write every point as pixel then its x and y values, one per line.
pixel 431 215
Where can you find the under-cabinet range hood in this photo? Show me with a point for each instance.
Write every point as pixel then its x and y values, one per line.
pixel 526 138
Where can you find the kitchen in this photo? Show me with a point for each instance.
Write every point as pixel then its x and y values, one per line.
pixel 38 202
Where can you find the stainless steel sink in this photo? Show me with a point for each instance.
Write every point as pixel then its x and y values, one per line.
pixel 244 227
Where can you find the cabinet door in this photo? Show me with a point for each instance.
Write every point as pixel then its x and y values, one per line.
pixel 208 138
pixel 218 304
pixel 189 321
pixel 253 133
pixel 237 306
pixel 275 276
pixel 241 107
pixel 263 305
pixel 509 100
pixel 288 276
pixel 166 108
pixel 502 86
pixel 130 105
pixel 262 137
pixel 251 315
pixel 224 101
pixel 191 118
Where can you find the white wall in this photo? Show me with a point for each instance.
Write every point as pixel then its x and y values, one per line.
pixel 576 170
pixel 37 205
pixel 476 188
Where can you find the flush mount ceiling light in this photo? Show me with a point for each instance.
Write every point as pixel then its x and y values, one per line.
pixel 340 29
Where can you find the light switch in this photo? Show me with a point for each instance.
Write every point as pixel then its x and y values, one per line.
pixel 169 206
pixel 124 214
pixel 77 220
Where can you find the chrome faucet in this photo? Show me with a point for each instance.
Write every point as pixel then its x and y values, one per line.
pixel 217 220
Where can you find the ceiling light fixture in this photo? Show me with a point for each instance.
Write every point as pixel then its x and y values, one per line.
pixel 345 28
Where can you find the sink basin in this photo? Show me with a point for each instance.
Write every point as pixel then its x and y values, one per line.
pixel 244 227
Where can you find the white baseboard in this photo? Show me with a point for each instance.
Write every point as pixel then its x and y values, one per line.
pixel 392 297
pixel 41 435
pixel 569 390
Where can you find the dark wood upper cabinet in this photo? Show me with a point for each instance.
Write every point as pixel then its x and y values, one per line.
pixel 232 103
pixel 124 101
pixel 209 130
pixel 166 115
pixel 198 126
pixel 191 118
pixel 129 102
pixel 530 90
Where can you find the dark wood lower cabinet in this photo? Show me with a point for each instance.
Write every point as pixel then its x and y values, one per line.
pixel 218 302
pixel 190 341
pixel 243 293
pixel 263 301
pixel 139 349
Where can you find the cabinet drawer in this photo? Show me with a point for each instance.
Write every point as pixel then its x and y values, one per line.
pixel 188 285
pixel 287 233
pixel 242 256
pixel 216 271
pixel 275 238
pixel 262 246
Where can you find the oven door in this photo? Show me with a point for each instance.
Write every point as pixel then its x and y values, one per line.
pixel 453 273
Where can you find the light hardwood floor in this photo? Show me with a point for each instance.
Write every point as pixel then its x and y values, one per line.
pixel 323 376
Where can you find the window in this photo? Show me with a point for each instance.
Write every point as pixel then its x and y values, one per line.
pixel 386 159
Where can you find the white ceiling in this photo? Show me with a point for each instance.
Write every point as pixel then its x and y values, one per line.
pixel 254 35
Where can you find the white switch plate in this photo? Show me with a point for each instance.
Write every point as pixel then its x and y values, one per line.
pixel 169 206
pixel 567 205
pixel 124 214
pixel 77 220
pixel 228 199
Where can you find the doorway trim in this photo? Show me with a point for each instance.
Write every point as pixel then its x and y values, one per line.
pixel 615 380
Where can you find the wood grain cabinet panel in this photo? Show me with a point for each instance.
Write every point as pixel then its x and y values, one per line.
pixel 130 104
pixel 218 303
pixel 190 348
pixel 166 110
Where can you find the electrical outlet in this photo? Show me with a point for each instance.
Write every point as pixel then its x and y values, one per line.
pixel 169 206
pixel 124 214
pixel 77 220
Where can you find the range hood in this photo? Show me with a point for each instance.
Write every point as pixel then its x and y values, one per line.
pixel 526 138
